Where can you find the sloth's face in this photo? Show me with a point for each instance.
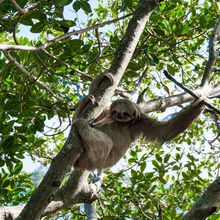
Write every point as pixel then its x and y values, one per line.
pixel 123 111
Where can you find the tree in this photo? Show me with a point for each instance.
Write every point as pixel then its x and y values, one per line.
pixel 42 78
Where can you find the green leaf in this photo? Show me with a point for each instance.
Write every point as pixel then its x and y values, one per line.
pixel 133 173
pixel 76 43
pixel 85 6
pixel 171 69
pixel 178 156
pixel 67 23
pixel 154 162
pixel 134 154
pixel 159 158
pixel 17 168
pixel 166 24
pixel 9 164
pixel 2 162
pixel 143 166
pixel 20 155
pixel 185 175
pixel 150 175
pixel 167 157
pixel 5 184
pixel 180 13
pixel 162 180
pixel 206 5
pixel 38 27
pixel 167 177
pixel 175 167
pixel 216 6
pixel 185 29
pixel 65 2
pixel 76 5
pixel 133 66
pixel 176 60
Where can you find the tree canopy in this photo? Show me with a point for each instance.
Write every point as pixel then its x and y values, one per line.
pixel 51 51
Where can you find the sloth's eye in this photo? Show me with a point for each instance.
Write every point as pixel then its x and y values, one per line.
pixel 126 114
pixel 113 112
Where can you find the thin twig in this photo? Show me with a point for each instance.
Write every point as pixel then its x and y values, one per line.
pixel 21 94
pixel 31 7
pixel 67 65
pixel 179 84
pixel 14 3
pixel 29 75
pixel 189 91
pixel 32 83
pixel 60 132
pixel 139 81
pixel 128 94
pixel 57 127
pixel 43 64
pixel 99 48
pixel 60 121
pixel 5 68
pixel 26 10
pixel 51 42
pixel 14 27
pixel 217 123
pixel 136 202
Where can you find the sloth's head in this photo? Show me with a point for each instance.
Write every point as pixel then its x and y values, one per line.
pixel 124 110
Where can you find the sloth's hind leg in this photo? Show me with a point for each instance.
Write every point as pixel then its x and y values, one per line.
pixel 96 146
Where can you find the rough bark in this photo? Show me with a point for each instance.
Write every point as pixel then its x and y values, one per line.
pixel 163 103
pixel 60 165
pixel 206 204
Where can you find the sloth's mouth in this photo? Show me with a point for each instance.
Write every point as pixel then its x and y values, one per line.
pixel 123 119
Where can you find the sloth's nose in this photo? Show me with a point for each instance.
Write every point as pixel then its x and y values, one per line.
pixel 119 115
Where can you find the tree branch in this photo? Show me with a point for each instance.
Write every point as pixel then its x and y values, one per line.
pixel 207 203
pixel 163 103
pixel 212 54
pixel 99 48
pixel 32 48
pixel 26 10
pixel 51 42
pixel 4 47
pixel 14 27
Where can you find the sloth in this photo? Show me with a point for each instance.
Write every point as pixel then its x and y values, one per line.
pixel 107 140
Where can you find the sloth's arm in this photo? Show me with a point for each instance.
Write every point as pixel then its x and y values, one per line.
pixel 163 131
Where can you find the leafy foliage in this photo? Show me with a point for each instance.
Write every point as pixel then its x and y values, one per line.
pixel 158 183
